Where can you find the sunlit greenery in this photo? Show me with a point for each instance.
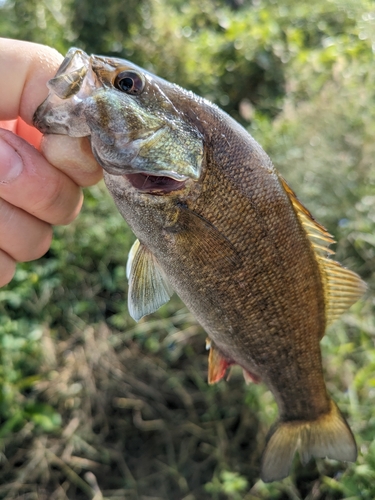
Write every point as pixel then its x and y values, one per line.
pixel 93 405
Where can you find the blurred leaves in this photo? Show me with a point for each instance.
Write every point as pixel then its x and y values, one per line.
pixel 230 483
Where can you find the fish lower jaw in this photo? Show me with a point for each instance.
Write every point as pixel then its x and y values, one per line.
pixel 154 184
pixel 145 182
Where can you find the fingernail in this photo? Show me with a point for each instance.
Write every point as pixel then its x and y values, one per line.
pixel 11 164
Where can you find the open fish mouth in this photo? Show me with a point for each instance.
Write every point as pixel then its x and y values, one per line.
pixel 154 184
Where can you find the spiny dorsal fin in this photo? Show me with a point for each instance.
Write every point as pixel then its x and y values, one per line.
pixel 342 287
pixel 317 234
pixel 148 285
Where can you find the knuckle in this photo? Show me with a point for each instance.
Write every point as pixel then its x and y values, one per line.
pixel 49 202
pixel 41 246
pixel 59 204
pixel 75 208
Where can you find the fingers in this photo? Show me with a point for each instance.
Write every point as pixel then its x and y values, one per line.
pixel 74 157
pixel 25 68
pixel 29 182
pixel 33 193
pixel 22 236
pixel 7 268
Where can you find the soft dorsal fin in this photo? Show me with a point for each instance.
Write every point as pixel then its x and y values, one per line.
pixel 342 287
pixel 148 286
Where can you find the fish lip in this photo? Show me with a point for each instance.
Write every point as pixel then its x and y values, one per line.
pixel 128 170
pixel 147 183
pixel 39 121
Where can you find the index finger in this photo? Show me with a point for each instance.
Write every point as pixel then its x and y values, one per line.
pixel 25 68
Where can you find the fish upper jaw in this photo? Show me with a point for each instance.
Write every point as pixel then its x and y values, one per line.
pixel 53 117
pixel 63 111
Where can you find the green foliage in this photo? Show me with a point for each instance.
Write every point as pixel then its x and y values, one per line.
pixel 230 483
pixel 36 21
pixel 20 357
pixel 113 20
pixel 300 78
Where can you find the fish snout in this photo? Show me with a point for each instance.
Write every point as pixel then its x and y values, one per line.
pixel 52 119
pixel 47 121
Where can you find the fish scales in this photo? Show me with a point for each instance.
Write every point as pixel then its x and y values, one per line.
pixel 219 226
pixel 281 314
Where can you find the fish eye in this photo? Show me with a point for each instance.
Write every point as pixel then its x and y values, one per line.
pixel 129 82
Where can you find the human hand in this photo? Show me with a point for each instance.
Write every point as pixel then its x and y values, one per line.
pixel 36 189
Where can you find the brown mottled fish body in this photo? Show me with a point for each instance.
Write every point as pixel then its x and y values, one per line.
pixel 261 299
pixel 218 225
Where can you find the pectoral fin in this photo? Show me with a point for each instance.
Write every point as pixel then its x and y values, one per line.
pixel 206 245
pixel 148 286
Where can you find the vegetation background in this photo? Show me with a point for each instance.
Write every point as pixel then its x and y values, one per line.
pixel 94 406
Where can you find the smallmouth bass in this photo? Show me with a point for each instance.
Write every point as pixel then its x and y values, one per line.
pixel 218 225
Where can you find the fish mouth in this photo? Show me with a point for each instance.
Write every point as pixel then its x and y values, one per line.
pixel 154 184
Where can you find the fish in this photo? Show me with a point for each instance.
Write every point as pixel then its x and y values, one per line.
pixel 218 225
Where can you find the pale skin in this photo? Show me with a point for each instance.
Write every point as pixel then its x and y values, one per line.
pixel 38 187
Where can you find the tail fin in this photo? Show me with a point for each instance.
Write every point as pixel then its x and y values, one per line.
pixel 328 436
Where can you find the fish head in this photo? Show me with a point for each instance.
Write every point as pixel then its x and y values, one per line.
pixel 130 116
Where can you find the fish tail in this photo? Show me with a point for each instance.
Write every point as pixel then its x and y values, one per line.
pixel 327 436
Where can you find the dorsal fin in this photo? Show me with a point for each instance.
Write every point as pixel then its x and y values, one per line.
pixel 342 287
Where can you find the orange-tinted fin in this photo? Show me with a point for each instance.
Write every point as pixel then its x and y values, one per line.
pixel 342 287
pixel 328 436
pixel 217 363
